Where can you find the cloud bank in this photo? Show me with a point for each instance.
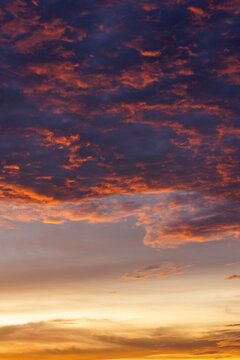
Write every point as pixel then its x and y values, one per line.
pixel 109 98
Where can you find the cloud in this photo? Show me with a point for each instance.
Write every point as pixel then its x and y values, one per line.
pixel 196 10
pixel 104 339
pixel 166 269
pixel 233 263
pixel 122 98
pixel 169 218
pixel 233 277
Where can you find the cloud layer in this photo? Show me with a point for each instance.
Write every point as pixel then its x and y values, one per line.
pixel 105 340
pixel 169 218
pixel 108 97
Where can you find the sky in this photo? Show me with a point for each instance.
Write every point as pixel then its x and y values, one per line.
pixel 119 180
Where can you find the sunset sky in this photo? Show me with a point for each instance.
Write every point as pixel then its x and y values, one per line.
pixel 119 183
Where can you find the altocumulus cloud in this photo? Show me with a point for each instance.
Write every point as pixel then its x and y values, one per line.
pixel 109 98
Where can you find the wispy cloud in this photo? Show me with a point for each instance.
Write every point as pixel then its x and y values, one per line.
pixel 97 338
pixel 166 269
pixel 233 277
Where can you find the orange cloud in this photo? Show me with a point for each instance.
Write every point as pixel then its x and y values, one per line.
pixel 82 339
pixel 163 270
pixel 233 277
pixel 150 53
pixel 11 167
pixel 122 108
pixel 196 10
pixel 169 218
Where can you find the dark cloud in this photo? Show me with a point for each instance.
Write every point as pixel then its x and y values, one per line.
pixel 101 98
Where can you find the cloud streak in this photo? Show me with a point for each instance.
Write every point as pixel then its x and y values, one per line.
pixel 166 269
pixel 63 338
pixel 233 277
